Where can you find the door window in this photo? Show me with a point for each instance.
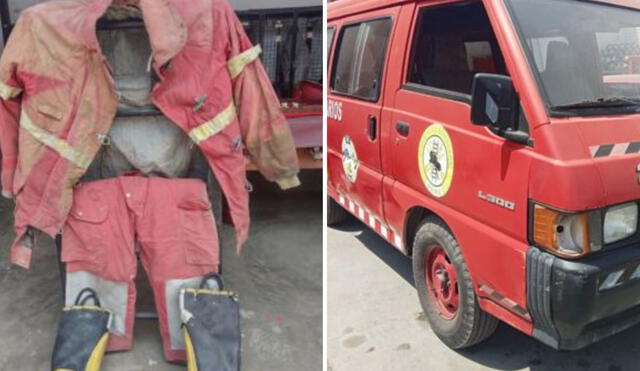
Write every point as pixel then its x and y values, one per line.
pixel 451 44
pixel 360 57
pixel 330 32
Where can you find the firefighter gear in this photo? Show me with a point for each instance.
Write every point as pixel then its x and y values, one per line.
pixel 211 327
pixel 82 336
pixel 172 223
pixel 58 102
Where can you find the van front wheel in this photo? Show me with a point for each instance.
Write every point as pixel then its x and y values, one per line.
pixel 445 288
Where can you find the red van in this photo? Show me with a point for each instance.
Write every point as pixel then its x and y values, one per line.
pixel 497 143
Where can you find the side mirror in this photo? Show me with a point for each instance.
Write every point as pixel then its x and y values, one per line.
pixel 494 103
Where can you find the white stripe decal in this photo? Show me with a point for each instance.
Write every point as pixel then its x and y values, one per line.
pixel 614 149
pixel 619 149
pixel 611 280
pixel 383 231
pixel 375 223
pixel 398 240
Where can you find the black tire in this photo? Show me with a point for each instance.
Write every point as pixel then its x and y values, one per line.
pixel 336 214
pixel 470 325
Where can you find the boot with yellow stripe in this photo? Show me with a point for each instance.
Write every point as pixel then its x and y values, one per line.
pixel 82 336
pixel 211 326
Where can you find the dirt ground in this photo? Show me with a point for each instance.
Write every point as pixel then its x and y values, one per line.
pixel 375 321
pixel 278 278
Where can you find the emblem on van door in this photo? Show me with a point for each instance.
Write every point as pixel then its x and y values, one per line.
pixel 497 201
pixel 435 157
pixel 350 161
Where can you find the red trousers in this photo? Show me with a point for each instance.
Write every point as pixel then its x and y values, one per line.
pixel 168 221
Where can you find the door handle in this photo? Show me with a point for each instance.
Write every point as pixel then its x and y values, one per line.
pixel 402 128
pixel 373 127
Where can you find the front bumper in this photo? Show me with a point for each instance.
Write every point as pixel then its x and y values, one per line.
pixel 576 303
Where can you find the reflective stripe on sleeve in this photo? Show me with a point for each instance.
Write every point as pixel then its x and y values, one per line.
pixel 240 61
pixel 63 148
pixel 213 126
pixel 7 92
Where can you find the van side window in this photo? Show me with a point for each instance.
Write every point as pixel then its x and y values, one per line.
pixel 330 32
pixel 451 44
pixel 359 59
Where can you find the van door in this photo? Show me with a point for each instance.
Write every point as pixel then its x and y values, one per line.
pixel 354 106
pixel 472 174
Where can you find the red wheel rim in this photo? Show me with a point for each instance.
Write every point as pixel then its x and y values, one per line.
pixel 442 282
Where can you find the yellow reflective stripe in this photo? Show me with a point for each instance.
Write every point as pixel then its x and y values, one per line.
pixel 7 92
pixel 85 307
pixel 237 63
pixel 61 146
pixel 95 360
pixel 192 361
pixel 213 126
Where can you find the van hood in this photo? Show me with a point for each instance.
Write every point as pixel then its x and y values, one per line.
pixel 595 162
pixel 614 147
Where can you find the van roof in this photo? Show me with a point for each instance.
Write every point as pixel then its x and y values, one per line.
pixel 343 8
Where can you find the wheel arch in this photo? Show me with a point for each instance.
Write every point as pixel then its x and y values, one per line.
pixel 414 217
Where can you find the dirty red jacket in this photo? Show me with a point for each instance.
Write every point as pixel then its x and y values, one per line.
pixel 59 100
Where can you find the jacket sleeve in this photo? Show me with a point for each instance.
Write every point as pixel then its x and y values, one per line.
pixel 265 130
pixel 10 103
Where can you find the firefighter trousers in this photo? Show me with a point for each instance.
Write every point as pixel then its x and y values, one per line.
pixel 168 223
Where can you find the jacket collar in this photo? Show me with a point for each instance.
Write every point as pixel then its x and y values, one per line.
pixel 165 26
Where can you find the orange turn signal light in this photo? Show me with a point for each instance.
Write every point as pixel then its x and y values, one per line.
pixel 562 234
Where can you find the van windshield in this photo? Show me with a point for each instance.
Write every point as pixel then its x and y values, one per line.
pixel 586 55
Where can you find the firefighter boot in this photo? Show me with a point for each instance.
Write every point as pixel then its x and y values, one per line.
pixel 82 336
pixel 211 326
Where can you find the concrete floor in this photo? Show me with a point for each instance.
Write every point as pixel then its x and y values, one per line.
pixel 375 321
pixel 278 278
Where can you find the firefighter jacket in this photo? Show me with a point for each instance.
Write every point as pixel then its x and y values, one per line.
pixel 58 101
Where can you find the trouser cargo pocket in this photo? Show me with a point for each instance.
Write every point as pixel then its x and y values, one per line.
pixel 85 236
pixel 200 237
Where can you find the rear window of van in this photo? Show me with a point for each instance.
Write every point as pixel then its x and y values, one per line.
pixel 360 58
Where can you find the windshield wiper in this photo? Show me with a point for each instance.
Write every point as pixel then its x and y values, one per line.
pixel 600 103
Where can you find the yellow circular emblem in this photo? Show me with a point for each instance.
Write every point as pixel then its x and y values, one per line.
pixel 435 157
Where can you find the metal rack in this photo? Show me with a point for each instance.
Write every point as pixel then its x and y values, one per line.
pixel 255 22
pixel 258 21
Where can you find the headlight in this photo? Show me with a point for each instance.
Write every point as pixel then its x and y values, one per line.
pixel 570 235
pixel 620 222
pixel 573 235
